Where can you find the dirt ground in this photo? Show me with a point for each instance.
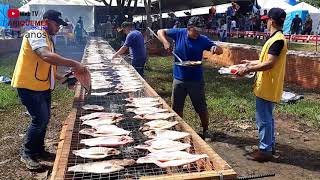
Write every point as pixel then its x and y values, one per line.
pixel 11 141
pixel 298 149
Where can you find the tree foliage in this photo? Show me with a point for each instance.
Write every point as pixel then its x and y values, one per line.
pixel 315 3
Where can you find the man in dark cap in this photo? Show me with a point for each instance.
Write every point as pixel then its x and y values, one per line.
pixel 135 43
pixel 188 80
pixel 34 77
pixel 268 87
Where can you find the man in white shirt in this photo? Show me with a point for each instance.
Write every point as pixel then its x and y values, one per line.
pixel 34 78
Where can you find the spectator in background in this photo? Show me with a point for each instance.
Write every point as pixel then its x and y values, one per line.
pixel 296 25
pixel 231 13
pixel 177 24
pixel 78 33
pixel 233 25
pixel 109 29
pixel 307 26
pixel 80 22
pixel 223 31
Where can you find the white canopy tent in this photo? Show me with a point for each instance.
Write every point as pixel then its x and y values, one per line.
pixel 268 4
pixel 205 10
pixel 194 12
pixel 71 9
pixel 313 11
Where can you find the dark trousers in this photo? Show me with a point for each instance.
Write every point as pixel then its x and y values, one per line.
pixel 38 104
pixel 140 70
pixel 139 66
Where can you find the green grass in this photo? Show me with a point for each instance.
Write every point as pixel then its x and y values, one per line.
pixel 227 98
pixel 8 96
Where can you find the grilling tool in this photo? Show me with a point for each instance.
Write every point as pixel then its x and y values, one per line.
pixel 69 79
pixel 180 63
pixel 186 63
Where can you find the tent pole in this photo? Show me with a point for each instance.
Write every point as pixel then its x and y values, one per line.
pixel 160 11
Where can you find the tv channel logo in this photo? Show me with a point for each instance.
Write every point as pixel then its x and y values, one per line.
pixel 13 13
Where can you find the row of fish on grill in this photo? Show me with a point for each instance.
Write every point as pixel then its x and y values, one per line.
pixel 164 145
pixel 119 78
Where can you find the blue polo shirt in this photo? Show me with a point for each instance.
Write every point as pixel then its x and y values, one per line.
pixel 188 50
pixel 135 43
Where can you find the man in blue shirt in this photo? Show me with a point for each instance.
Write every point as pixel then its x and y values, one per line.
pixel 135 43
pixel 188 80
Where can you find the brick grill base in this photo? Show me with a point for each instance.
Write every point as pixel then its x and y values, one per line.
pixel 303 68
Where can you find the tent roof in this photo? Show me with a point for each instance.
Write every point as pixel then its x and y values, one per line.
pixel 268 4
pixel 222 8
pixel 178 5
pixel 26 7
pixel 304 6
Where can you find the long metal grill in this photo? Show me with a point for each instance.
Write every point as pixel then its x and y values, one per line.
pixel 115 103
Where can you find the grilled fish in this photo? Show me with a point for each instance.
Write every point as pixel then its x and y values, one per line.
pixel 163 145
pixel 96 152
pixel 103 166
pixel 144 99
pixel 105 130
pixel 143 105
pixel 100 115
pixel 158 125
pixel 146 110
pixel 92 107
pixel 170 159
pixel 109 141
pixel 102 121
pixel 155 116
pixel 165 134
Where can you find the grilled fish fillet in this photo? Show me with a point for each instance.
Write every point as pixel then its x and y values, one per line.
pixel 100 115
pixel 144 99
pixel 92 107
pixel 155 116
pixel 163 145
pixel 103 166
pixel 158 125
pixel 109 141
pixel 171 159
pixel 165 134
pixel 143 105
pixel 105 130
pixel 102 121
pixel 96 152
pixel 146 110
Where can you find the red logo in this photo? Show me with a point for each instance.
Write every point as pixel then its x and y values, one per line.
pixel 13 13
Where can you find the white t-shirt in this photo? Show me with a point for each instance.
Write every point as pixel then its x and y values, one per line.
pixel 233 24
pixel 38 40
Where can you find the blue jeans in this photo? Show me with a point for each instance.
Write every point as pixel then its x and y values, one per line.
pixel 265 124
pixel 38 104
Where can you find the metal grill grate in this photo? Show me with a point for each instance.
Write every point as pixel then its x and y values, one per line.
pixel 115 103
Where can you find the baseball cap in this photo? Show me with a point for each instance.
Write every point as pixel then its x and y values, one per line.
pixel 125 24
pixel 277 14
pixel 196 22
pixel 54 15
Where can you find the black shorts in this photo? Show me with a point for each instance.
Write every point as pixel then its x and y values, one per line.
pixel 194 89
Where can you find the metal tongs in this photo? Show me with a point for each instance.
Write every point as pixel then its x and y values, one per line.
pixel 181 62
pixel 186 63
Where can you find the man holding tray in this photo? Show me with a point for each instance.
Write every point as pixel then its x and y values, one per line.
pixel 269 83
